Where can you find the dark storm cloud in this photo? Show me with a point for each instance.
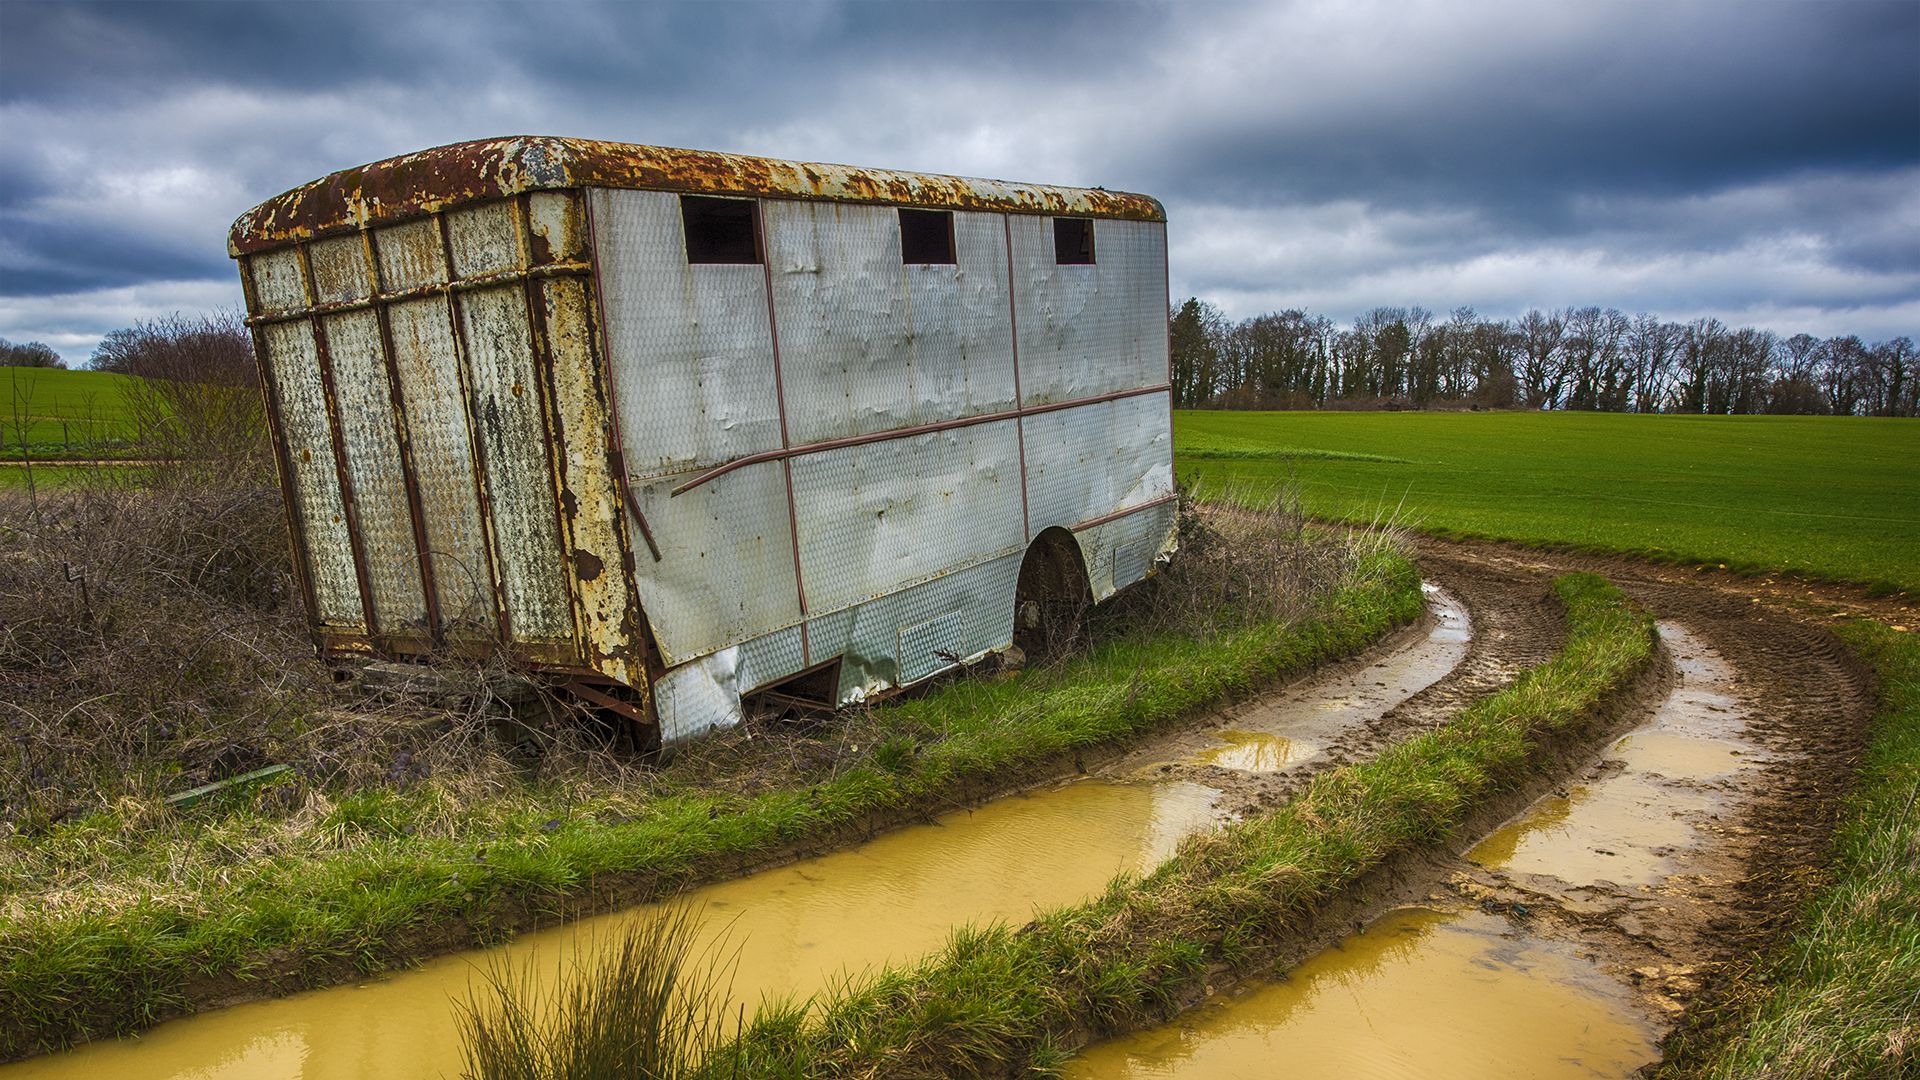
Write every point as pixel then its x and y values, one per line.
pixel 1732 157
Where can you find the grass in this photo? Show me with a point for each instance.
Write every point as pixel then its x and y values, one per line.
pixel 1835 498
pixel 109 918
pixel 998 1000
pixel 1841 998
pixel 646 1006
pixel 55 413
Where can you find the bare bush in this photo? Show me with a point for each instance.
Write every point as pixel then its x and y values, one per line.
pixel 1248 558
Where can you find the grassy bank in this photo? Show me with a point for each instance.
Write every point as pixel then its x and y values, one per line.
pixel 997 999
pixel 1842 997
pixel 120 914
pixel 1826 497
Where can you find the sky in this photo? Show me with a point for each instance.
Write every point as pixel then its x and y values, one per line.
pixel 1757 161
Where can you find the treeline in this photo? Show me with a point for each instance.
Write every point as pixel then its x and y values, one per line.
pixel 35 354
pixel 1591 358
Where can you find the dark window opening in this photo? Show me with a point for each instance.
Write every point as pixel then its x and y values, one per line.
pixel 926 236
pixel 720 230
pixel 1072 241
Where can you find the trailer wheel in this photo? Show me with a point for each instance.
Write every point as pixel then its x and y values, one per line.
pixel 1051 600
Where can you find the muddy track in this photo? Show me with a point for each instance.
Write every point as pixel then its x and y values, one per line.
pixel 1806 704
pixel 1515 624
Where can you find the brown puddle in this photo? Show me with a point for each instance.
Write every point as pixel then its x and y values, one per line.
pixel 1257 751
pixel 797 927
pixel 893 898
pixel 1296 725
pixel 1420 993
pixel 1663 781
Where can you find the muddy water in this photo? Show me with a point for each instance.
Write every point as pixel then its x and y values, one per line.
pixel 1659 787
pixel 1297 726
pixel 1420 993
pixel 800 927
pixel 797 927
pixel 1425 993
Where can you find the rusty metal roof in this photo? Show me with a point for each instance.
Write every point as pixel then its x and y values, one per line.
pixel 431 180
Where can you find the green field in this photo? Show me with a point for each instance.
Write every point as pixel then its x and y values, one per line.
pixel 57 413
pixel 1829 497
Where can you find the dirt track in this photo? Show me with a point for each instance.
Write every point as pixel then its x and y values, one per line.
pixel 1803 704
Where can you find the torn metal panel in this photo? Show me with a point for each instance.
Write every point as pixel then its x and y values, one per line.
pixel 726 562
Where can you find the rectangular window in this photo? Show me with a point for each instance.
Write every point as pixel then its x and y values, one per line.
pixel 1073 241
pixel 720 230
pixel 926 236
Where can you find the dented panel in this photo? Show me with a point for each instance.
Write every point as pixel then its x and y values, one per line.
pixel 1095 459
pixel 1090 329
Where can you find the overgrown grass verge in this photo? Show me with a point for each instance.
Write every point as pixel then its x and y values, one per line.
pixel 117 917
pixel 1000 1000
pixel 1842 997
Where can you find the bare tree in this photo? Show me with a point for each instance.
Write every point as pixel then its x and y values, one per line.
pixel 34 354
pixel 1540 337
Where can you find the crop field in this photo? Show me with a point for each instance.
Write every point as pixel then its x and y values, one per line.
pixel 1829 497
pixel 52 413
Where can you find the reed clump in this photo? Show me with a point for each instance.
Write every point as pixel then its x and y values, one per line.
pixel 646 1003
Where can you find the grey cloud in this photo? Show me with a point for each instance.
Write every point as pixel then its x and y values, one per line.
pixel 1757 157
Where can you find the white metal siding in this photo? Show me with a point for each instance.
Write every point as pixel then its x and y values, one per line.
pixel 301 401
pixel 373 467
pixel 1088 330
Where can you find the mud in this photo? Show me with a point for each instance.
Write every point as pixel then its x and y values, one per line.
pixel 803 926
pixel 1661 857
pixel 1755 790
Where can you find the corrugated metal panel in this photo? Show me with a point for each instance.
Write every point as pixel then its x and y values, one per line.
pixel 373 467
pixel 278 284
pixel 704 695
pixel 726 561
pixel 595 514
pixel 488 169
pixel 1092 460
pixel 875 517
pixel 839 300
pixel 485 239
pixel 690 346
pixel 424 358
pixel 961 325
pixel 301 401
pixel 507 408
pixel 1087 330
pixel 340 271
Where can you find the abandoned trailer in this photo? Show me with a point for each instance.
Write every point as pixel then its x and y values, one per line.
pixel 670 427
